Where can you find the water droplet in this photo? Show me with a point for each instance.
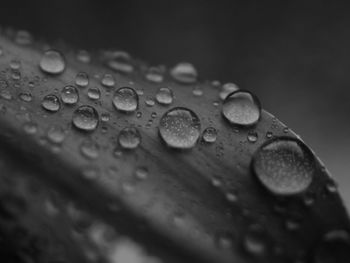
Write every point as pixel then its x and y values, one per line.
pixel 284 165
pixel 105 117
pixel 164 96
pixel 94 93
pixel 25 96
pixel 69 95
pixel 141 173
pixel 129 138
pixel 52 62
pixel 83 56
pixel 51 103
pixel 184 72
pixel 150 102
pixel 82 79
pixel 85 118
pixel 120 61
pixel 254 243
pixel 227 89
pixel 15 64
pixel 252 136
pixel 5 94
pixel 224 241
pixel 334 248
pixel 241 108
pixel 269 134
pixel 197 92
pixel 56 134
pixel 154 74
pixel 108 80
pixel 30 127
pixel 231 197
pixel 125 99
pixel 209 135
pixel 16 75
pixel 180 128
pixel 89 149
pixel 23 37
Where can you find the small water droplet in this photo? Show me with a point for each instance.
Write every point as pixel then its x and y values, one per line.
pixel 224 241
pixel 69 95
pixel 180 128
pixel 141 173
pixel 154 74
pixel 108 80
pixel 334 248
pixel 89 149
pixel 197 92
pixel 284 165
pixel 125 99
pixel 254 244
pixel 51 103
pixel 184 72
pixel 16 75
pixel 269 134
pixel 52 62
pixel 150 102
pixel 120 61
pixel 231 197
pixel 5 94
pixel 85 118
pixel 23 37
pixel 209 135
pixel 105 117
pixel 164 96
pixel 94 93
pixel 129 138
pixel 241 108
pixel 83 56
pixel 227 89
pixel 56 134
pixel 252 136
pixel 82 79
pixel 139 114
pixel 30 127
pixel 25 96
pixel 15 64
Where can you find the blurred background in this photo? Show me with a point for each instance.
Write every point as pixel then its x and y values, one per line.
pixel 295 56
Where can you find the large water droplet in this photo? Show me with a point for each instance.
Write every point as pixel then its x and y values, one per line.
pixel 82 79
pixel 69 95
pixel 85 118
pixel 184 72
pixel 334 248
pixel 284 165
pixel 129 138
pixel 241 108
pixel 164 96
pixel 125 99
pixel 52 62
pixel 51 103
pixel 180 128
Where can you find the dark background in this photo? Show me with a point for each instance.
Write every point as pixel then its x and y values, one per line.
pixel 295 56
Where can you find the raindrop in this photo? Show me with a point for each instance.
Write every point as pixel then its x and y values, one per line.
pixel 51 103
pixel 56 134
pixel 120 61
pixel 23 37
pixel 184 72
pixel 52 62
pixel 241 108
pixel 129 138
pixel 89 149
pixel 154 74
pixel 227 89
pixel 252 136
pixel 94 93
pixel 141 173
pixel 334 248
pixel 69 95
pixel 82 79
pixel 85 118
pixel 125 99
pixel 25 96
pixel 83 56
pixel 209 135
pixel 284 165
pixel 180 128
pixel 108 80
pixel 164 96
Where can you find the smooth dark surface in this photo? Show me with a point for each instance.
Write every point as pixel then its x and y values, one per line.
pixel 295 56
